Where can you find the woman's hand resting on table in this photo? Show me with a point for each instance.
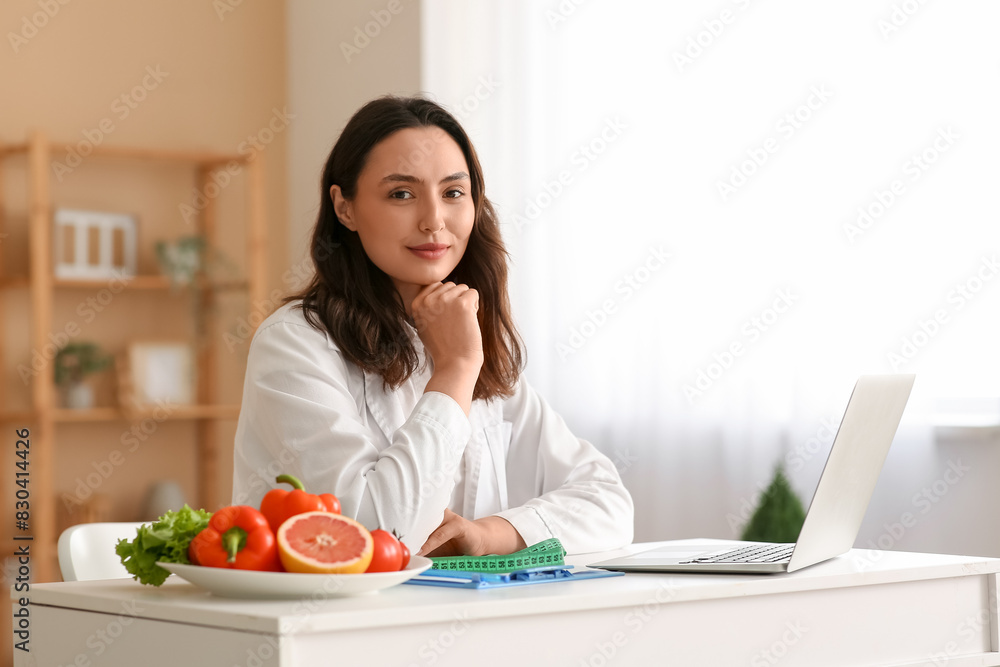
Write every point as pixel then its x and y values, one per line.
pixel 457 536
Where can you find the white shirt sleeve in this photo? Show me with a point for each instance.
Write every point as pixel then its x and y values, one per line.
pixel 299 416
pixel 559 485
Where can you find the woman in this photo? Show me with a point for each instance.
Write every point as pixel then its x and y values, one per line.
pixel 393 380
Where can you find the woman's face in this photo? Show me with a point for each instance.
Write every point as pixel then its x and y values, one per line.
pixel 413 208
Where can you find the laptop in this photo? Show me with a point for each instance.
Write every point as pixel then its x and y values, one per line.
pixel 838 504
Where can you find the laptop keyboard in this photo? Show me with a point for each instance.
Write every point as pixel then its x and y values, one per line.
pixel 754 553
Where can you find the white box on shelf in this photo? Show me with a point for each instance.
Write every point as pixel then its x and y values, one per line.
pixel 94 245
pixel 158 372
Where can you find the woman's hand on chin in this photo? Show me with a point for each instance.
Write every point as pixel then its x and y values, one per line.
pixel 445 315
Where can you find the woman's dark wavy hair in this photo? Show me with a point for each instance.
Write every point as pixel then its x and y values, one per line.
pixel 356 302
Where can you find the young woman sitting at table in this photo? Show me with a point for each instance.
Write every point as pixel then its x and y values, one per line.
pixel 394 378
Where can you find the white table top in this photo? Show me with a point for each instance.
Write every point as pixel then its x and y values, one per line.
pixel 182 602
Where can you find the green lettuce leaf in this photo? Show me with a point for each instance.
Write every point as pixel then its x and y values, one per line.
pixel 166 541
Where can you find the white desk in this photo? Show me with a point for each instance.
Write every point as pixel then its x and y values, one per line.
pixel 863 608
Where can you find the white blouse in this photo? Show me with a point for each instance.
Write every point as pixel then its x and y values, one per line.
pixel 397 459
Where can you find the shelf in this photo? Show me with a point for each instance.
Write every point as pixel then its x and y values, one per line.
pixel 191 157
pixel 47 297
pixel 90 415
pixel 139 282
pixel 13 149
pixel 192 412
pixel 112 414
pixel 17 416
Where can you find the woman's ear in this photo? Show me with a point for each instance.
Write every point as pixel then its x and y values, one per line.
pixel 342 207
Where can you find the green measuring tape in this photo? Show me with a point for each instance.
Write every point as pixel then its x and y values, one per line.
pixel 547 552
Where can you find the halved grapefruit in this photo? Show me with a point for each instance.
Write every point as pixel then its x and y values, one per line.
pixel 324 543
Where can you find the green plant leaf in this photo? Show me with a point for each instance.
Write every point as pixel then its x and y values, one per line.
pixel 779 516
pixel 77 360
pixel 165 540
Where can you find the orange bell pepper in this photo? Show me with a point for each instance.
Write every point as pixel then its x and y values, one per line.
pixel 280 504
pixel 237 538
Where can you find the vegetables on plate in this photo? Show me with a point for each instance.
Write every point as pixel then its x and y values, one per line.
pixel 293 530
pixel 406 552
pixel 388 554
pixel 165 540
pixel 237 537
pixel 279 505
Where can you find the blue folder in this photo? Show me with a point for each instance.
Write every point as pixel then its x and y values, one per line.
pixel 532 575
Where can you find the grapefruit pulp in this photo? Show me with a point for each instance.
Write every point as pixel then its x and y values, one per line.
pixel 324 543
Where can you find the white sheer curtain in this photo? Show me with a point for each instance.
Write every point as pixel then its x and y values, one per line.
pixel 741 140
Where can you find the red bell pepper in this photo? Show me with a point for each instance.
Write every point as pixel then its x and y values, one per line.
pixel 237 537
pixel 280 504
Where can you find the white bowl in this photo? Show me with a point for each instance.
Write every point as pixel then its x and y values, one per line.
pixel 291 585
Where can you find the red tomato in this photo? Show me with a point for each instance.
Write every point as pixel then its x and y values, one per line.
pixel 406 555
pixel 332 502
pixel 388 556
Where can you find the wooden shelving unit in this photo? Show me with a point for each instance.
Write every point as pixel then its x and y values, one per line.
pixel 45 417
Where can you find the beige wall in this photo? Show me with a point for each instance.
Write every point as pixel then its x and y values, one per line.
pixel 219 79
pixel 326 85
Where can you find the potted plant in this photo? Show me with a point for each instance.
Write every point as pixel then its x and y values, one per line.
pixel 73 363
pixel 779 516
pixel 181 260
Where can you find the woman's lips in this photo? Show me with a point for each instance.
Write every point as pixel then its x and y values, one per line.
pixel 429 250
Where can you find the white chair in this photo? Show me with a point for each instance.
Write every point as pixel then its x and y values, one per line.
pixel 87 550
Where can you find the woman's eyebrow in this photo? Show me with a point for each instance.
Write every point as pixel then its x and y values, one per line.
pixel 407 178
